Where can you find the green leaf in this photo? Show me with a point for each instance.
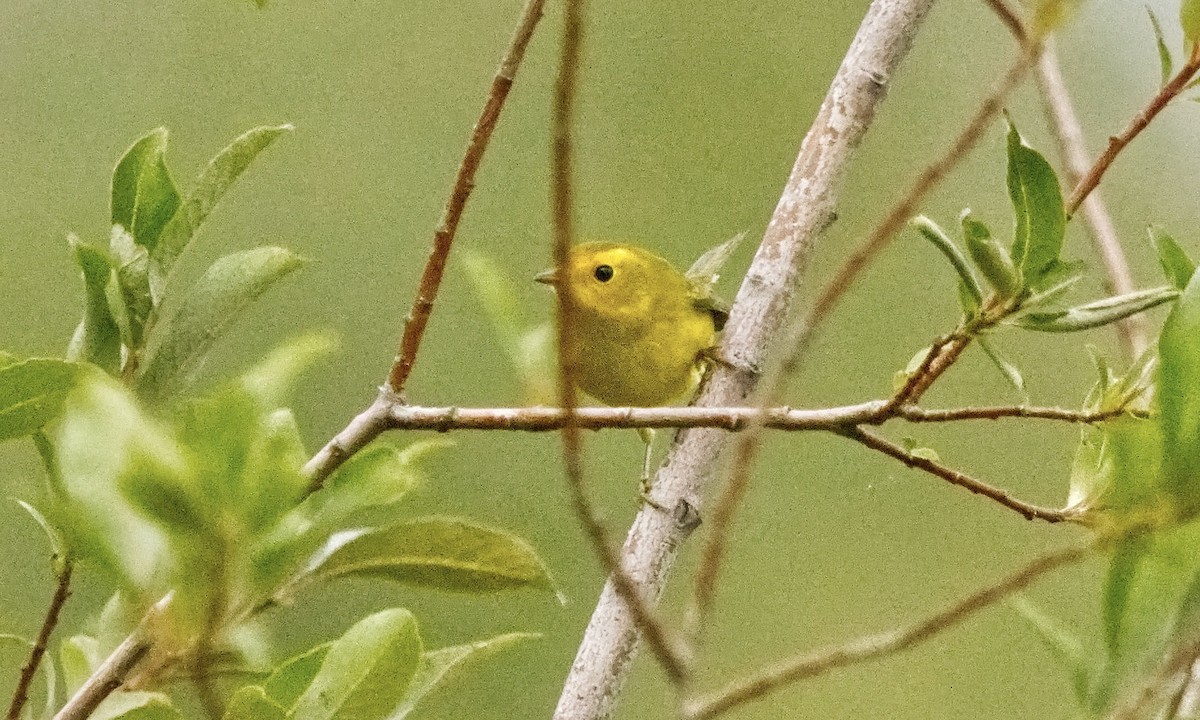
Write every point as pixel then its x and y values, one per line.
pixel 1122 570
pixel 970 294
pixel 222 171
pixel 179 342
pixel 274 376
pixel 1039 216
pixel 102 428
pixel 1164 55
pixel 57 545
pixel 79 655
pixel 287 683
pixel 377 476
pixel 143 195
pixel 991 259
pixel 1177 266
pixel 445 553
pixel 1189 18
pixel 439 666
pixel 500 299
pixel 706 271
pixel 136 705
pixel 366 672
pixel 1006 368
pixel 1065 278
pixel 131 262
pixel 1096 314
pixel 98 337
pixel 1063 644
pixel 251 703
pixel 32 393
pixel 1178 398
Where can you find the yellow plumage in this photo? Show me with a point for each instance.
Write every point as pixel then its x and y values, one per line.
pixel 641 326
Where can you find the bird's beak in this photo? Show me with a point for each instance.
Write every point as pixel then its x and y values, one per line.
pixel 546 277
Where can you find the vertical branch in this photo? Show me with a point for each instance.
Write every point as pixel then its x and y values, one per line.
pixel 1068 134
pixel 464 182
pixel 805 208
pixel 29 670
pixel 799 332
pixel 564 233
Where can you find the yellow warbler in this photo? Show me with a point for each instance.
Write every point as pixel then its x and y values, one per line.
pixel 643 327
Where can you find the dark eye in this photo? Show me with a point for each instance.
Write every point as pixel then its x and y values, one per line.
pixel 603 273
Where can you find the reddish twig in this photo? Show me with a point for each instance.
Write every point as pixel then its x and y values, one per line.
pixel 671 658
pixel 1117 143
pixel 29 670
pixel 954 477
pixel 464 183
pixel 877 646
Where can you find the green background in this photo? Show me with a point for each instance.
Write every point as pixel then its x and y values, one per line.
pixel 689 121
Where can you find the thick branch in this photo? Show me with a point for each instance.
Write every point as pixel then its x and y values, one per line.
pixel 804 210
pixel 877 646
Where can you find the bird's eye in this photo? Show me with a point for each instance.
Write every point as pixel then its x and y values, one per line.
pixel 603 273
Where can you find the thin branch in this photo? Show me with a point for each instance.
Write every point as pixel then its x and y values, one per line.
pixel 1068 134
pixel 806 207
pixel 731 419
pixel 800 330
pixel 29 670
pixel 907 206
pixel 365 427
pixel 1010 19
pixel 920 415
pixel 954 477
pixel 464 183
pixel 656 634
pixel 1117 143
pixel 878 646
pixel 115 669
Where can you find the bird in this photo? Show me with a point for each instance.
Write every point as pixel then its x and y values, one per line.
pixel 644 331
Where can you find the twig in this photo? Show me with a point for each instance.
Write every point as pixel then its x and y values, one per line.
pixel 1010 19
pixel 1117 143
pixel 805 208
pixel 732 419
pixel 1068 134
pixel 954 477
pixel 29 670
pixel 113 672
pixel 877 646
pixel 656 634
pixel 464 182
pixel 907 206
pixel 800 330
pixel 365 427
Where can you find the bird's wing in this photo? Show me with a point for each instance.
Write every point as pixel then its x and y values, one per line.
pixel 713 305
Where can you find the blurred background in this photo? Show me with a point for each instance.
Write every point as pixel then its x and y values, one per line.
pixel 688 125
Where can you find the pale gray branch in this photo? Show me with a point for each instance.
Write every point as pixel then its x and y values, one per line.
pixel 806 207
